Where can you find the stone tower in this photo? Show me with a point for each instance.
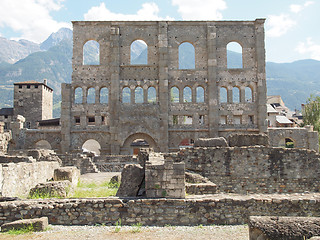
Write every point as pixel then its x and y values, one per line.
pixel 33 100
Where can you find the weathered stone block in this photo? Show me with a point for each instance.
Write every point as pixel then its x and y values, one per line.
pixel 211 142
pixel 52 189
pixel 131 179
pixel 239 140
pixel 71 174
pixel 38 224
pixel 291 228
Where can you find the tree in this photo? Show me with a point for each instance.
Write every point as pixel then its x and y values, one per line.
pixel 311 112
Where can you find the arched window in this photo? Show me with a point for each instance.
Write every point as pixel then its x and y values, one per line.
pixel 91 96
pixel 104 95
pixel 174 94
pixel 187 94
pixel 78 95
pixel 248 94
pixel 223 95
pixel 235 95
pixel 138 95
pixel 138 52
pixel 152 95
pixel 43 144
pixel 200 94
pixel 234 55
pixel 126 95
pixel 186 56
pixel 91 53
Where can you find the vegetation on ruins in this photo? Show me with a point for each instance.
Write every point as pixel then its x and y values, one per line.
pixel 311 112
pixel 92 189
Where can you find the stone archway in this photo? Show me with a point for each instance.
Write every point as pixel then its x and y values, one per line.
pixel 287 142
pixel 43 144
pixel 136 141
pixel 91 145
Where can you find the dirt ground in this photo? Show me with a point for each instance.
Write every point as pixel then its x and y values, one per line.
pixel 238 232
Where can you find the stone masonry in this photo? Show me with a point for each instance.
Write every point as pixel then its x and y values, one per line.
pixel 116 124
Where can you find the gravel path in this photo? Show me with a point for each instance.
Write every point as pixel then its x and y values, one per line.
pixel 238 232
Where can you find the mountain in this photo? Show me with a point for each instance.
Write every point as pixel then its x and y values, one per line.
pixel 293 81
pixel 55 38
pixel 12 51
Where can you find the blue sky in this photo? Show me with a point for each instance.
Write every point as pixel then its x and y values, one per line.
pixel 292 26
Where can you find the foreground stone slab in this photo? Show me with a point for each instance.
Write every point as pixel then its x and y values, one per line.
pixel 38 224
pixel 67 173
pixel 289 228
pixel 52 189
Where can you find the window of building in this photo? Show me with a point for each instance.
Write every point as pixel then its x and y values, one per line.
pixel 234 55
pixel 251 119
pixel 138 95
pixel 223 95
pixel 152 95
pixel 175 119
pixel 201 119
pixel 20 86
pixel 126 95
pixel 77 120
pixel 187 120
pixel 91 53
pixel 138 52
pixel 35 86
pixel 28 86
pixel 200 94
pixel 248 95
pixel 5 116
pixel 187 94
pixel 28 125
pixel 6 126
pixel 237 119
pixel 91 96
pixel 174 94
pixel 78 95
pixel 91 120
pixel 104 95
pixel 223 119
pixel 236 95
pixel 186 56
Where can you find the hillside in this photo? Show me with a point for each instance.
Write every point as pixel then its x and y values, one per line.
pixel 293 81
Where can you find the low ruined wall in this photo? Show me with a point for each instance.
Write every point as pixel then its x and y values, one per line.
pixel 16 179
pixel 255 169
pixel 113 163
pixel 216 210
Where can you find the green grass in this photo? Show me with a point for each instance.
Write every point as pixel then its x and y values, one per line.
pixel 25 230
pixel 136 228
pixel 91 189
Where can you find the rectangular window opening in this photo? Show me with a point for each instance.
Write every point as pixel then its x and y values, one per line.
pixel 175 119
pixel 91 120
pixel 201 119
pixel 237 119
pixel 187 120
pixel 77 120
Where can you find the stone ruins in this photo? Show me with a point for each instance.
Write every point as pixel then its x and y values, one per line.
pixel 193 144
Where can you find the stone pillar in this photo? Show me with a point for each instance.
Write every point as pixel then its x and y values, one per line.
pixel 65 119
pixel 261 76
pixel 163 140
pixel 114 107
pixel 212 90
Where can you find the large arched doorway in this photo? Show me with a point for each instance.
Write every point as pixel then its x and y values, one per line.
pixel 91 145
pixel 43 144
pixel 135 142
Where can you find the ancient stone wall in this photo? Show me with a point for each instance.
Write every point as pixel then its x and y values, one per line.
pixel 256 169
pixel 301 137
pixel 16 179
pixel 115 124
pixel 215 210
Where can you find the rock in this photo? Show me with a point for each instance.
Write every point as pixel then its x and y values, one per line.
pixel 115 179
pixel 211 142
pixel 262 228
pixel 52 189
pixel 7 199
pixel 38 224
pixel 239 140
pixel 131 179
pixel 67 173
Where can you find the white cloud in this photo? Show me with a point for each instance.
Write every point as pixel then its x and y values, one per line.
pixel 149 11
pixel 296 8
pixel 310 48
pixel 278 25
pixel 31 18
pixel 200 9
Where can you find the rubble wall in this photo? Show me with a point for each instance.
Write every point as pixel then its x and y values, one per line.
pixel 16 179
pixel 255 169
pixel 159 212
